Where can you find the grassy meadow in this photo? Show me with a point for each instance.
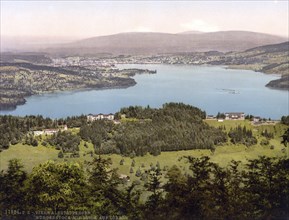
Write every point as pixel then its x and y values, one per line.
pixel 32 156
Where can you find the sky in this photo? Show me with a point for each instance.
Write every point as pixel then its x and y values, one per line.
pixel 82 19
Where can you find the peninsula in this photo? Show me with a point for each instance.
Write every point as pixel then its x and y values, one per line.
pixel 22 79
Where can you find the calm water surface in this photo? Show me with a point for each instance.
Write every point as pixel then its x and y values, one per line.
pixel 213 89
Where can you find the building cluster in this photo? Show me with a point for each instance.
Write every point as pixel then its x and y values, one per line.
pixel 235 116
pixel 49 131
pixel 92 117
pixel 81 61
pixel 229 116
pixel 197 58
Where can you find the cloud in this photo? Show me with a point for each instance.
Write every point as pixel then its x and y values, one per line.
pixel 199 25
pixel 139 29
pixel 143 29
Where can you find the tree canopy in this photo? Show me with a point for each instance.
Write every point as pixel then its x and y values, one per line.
pixel 257 191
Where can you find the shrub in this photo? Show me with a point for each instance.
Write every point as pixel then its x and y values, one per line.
pixel 60 154
pixel 264 142
pixel 34 143
pixel 121 162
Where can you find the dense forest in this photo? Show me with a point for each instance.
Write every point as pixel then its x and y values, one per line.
pixel 174 127
pixel 95 191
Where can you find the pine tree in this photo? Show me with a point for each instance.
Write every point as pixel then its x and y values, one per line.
pixel 138 173
pixel 12 190
pixel 153 205
pixel 132 163
pixel 60 154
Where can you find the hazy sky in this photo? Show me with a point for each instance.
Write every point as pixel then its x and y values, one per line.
pixel 94 18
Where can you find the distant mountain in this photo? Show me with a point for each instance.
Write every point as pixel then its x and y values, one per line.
pixel 156 43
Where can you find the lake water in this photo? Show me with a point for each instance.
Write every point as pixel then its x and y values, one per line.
pixel 213 89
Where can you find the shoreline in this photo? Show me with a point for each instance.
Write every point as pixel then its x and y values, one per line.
pixel 14 106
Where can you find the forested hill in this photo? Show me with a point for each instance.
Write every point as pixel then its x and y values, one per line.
pixel 272 58
pixel 282 47
pixel 174 127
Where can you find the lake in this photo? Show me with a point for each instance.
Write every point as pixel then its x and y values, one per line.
pixel 213 89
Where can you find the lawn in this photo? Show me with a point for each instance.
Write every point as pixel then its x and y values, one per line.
pixel 30 156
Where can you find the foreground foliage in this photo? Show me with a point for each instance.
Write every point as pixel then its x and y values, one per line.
pixel 206 191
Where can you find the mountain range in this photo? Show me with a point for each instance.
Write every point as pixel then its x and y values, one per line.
pixel 156 43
